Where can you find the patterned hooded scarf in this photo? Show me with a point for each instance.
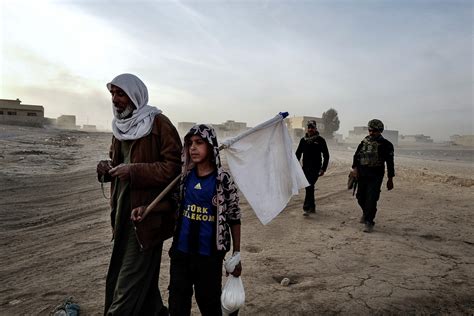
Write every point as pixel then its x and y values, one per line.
pixel 228 210
pixel 209 135
pixel 141 121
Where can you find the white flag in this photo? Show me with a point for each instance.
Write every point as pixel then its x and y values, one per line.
pixel 265 168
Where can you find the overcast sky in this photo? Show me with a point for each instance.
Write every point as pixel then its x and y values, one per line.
pixel 408 63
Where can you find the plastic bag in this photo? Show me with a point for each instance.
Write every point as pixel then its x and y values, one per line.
pixel 233 294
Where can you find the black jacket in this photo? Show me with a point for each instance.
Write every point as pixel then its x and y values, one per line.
pixel 312 148
pixel 385 155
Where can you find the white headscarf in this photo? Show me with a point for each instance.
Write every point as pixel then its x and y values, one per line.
pixel 141 121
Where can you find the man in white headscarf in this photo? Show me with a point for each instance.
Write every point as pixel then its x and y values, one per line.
pixel 145 156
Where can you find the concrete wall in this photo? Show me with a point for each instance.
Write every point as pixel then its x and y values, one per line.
pixel 89 128
pixel 23 120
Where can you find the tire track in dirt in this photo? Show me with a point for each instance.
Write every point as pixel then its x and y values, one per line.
pixel 49 221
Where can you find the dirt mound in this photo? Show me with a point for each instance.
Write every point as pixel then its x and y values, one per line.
pixel 426 175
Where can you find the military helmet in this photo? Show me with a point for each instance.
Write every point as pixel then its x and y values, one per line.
pixel 376 124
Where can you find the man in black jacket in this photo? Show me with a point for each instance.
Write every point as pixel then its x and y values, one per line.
pixel 311 147
pixel 368 168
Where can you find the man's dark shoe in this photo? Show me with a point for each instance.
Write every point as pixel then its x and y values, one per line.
pixel 368 228
pixel 313 210
pixel 362 219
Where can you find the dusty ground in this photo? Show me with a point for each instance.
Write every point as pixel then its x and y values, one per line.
pixel 55 235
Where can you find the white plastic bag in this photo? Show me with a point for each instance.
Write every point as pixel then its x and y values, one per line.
pixel 233 294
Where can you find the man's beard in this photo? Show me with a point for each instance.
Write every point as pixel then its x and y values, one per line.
pixel 125 113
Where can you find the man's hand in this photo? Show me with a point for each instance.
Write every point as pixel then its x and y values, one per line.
pixel 137 214
pixel 122 171
pixel 354 173
pixel 321 173
pixel 103 167
pixel 389 184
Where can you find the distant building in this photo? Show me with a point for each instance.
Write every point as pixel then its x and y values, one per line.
pixel 297 126
pixel 225 130
pixel 89 128
pixel 184 127
pixel 67 122
pixel 339 138
pixel 301 121
pixel 463 140
pixel 359 132
pixel 414 139
pixel 356 135
pixel 296 134
pixel 229 129
pixel 391 135
pixel 13 112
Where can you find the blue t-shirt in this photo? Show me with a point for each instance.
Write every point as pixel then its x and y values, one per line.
pixel 198 221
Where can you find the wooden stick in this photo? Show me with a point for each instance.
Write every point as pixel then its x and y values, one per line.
pixel 160 196
pixel 223 146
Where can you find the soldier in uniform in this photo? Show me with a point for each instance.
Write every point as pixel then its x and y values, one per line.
pixel 368 168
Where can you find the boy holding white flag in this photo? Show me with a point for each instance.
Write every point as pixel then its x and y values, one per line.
pixel 208 223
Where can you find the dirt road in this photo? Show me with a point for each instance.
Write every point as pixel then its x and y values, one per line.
pixel 55 237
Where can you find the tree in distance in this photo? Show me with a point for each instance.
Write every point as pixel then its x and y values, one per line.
pixel 331 123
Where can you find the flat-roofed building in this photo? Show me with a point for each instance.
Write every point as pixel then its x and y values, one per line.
pixel 14 112
pixel 89 128
pixel 301 121
pixel 463 140
pixel 229 129
pixel 415 139
pixel 359 132
pixel 225 130
pixel 67 122
pixel 14 107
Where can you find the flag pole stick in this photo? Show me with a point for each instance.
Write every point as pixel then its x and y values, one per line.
pixel 173 183
pixel 164 192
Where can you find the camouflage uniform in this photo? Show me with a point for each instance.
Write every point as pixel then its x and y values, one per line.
pixel 369 159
